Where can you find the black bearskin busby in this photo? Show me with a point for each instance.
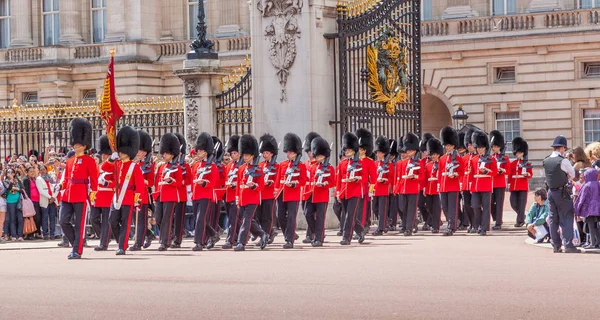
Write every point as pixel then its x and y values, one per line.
pixel 103 145
pixel 365 140
pixel 480 140
pixel 449 136
pixel 411 142
pixel 393 148
pixel 205 142
pixel 81 133
pixel 434 146
pixel 145 141
pixel 461 141
pixel 169 144
pixel 293 143
pixel 520 145
pixel 268 143
pixel 382 144
pixel 218 152
pixel 350 141
pixel 400 148
pixel 468 138
pixel 423 144
pixel 308 140
pixel 128 141
pixel 232 144
pixel 248 145
pixel 320 147
pixel 182 143
pixel 497 139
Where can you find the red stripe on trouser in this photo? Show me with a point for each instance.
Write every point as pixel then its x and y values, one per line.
pixel 324 218
pixel 237 214
pixel 126 242
pixel 294 233
pixel 203 231
pixel 182 217
pixel 353 220
pixel 364 211
pixel 415 214
pixel 109 231
pixel 250 225
pixel 385 210
pixel 272 217
pixel 487 228
pixel 456 213
pixel 82 229
pixel 168 238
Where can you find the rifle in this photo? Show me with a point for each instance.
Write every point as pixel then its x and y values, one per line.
pixel 355 167
pixel 383 169
pixel 182 160
pixel 412 166
pixel 207 168
pixel 167 173
pixel 268 171
pixel 523 166
pixel 147 166
pixel 254 172
pixel 451 166
pixel 483 161
pixel 233 173
pixel 290 173
pixel 323 172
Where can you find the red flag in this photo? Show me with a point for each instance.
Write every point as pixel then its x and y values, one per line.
pixel 110 111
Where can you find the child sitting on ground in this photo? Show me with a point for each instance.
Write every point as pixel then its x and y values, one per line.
pixel 536 217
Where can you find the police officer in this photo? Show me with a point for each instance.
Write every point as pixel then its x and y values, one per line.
pixel 558 172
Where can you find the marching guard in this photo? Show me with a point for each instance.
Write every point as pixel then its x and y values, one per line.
pixel 435 150
pixel 231 175
pixel 449 174
pixel 518 179
pixel 307 204
pixel 385 179
pixel 499 181
pixel 185 193
pixel 322 178
pixel 144 160
pixel 80 172
pixel 100 210
pixel 425 159
pixel 394 196
pixel 467 180
pixel 365 150
pixel 266 210
pixel 219 190
pixel 409 177
pixel 129 188
pixel 338 208
pixel 483 170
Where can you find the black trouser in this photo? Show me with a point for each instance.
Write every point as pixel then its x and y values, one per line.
pixel 38 217
pixel 498 205
pixel 178 222
pixel 287 214
pixel 464 220
pixel 468 209
pixel 481 203
pixel 202 208
pixel 310 210
pixel 320 216
pixel 120 224
pixel 592 223
pixel 100 224
pixel 249 224
pixel 561 215
pixel 352 222
pixel 73 230
pixel 433 204
pixel 141 225
pixel 232 217
pixel 164 216
pixel 518 202
pixel 423 209
pixel 450 206
pixel 408 207
pixel 264 215
pixel 393 216
pixel 339 212
pixel 380 207
pixel 366 212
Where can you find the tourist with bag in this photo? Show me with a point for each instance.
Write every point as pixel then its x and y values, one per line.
pixel 14 218
pixel 32 193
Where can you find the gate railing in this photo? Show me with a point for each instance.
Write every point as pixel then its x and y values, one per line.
pixel 234 106
pixel 34 127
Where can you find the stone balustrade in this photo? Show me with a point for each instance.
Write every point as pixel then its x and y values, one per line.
pixel 519 22
pixel 23 55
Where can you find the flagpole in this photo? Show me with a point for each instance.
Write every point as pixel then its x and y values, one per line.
pixel 115 120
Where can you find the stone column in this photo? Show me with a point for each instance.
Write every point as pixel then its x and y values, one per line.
pixel 115 29
pixel 21 24
pixel 70 22
pixel 166 34
pixel 229 25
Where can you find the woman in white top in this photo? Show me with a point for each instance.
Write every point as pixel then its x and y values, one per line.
pixel 47 203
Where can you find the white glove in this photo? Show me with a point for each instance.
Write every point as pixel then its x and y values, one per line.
pixel 114 156
pixel 102 181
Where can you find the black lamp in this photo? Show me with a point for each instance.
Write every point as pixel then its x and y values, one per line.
pixel 460 118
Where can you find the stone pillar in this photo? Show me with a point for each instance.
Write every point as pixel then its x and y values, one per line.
pixel 115 29
pixel 70 22
pixel 229 25
pixel 201 84
pixel 21 24
pixel 166 34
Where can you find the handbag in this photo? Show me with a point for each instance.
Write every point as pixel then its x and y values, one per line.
pixel 29 226
pixel 27 206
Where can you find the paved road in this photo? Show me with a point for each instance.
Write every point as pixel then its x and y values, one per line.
pixel 391 277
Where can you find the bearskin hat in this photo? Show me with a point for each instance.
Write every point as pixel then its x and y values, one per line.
pixel 365 140
pixel 293 143
pixel 411 142
pixel 169 144
pixel 434 146
pixel 497 139
pixel 469 137
pixel 219 150
pixel 480 140
pixel 308 141
pixel 350 141
pixel 423 144
pixel 461 141
pixel 449 136
pixel 182 142
pixel 128 141
pixel 382 144
pixel 400 148
pixel 81 132
pixel 520 145
pixel 393 147
pixel 145 141
pixel 268 143
pixel 320 147
pixel 205 142
pixel 103 145
pixel 248 145
pixel 232 144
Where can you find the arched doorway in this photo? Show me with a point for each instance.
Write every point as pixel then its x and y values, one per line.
pixel 435 114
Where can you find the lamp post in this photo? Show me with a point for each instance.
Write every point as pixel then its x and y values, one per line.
pixel 202 48
pixel 460 118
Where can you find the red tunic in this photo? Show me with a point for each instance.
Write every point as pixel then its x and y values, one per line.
pixel 230 191
pixel 308 187
pixel 409 186
pixel 268 191
pixel 149 182
pixel 338 188
pixel 518 184
pixel 187 181
pixel 432 176
pixel 248 196
pixel 446 183
pixel 291 193
pixel 206 191
pixel 79 172
pixel 352 189
pixel 105 193
pixel 168 192
pixel 320 194
pixel 424 162
pixel 500 178
pixel 466 178
pixel 136 182
pixel 370 166
pixel 384 188
pixel 483 184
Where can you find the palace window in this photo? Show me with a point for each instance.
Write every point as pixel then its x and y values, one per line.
pixel 89 95
pixel 591 70
pixel 426 10
pixel 98 20
pixel 4 23
pixel 510 125
pixel 505 74
pixel 504 7
pixel 587 4
pixel 30 97
pixel 591 125
pixel 51 22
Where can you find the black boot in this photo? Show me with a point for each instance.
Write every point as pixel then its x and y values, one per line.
pixel 135 248
pixel 288 245
pixel 197 247
pixel 239 247
pixel 73 255
pixel 227 245
pixel 120 252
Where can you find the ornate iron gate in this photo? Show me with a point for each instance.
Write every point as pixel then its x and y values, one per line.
pixel 34 127
pixel 379 67
pixel 234 110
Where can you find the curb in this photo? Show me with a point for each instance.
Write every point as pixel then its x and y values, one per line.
pixel 547 245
